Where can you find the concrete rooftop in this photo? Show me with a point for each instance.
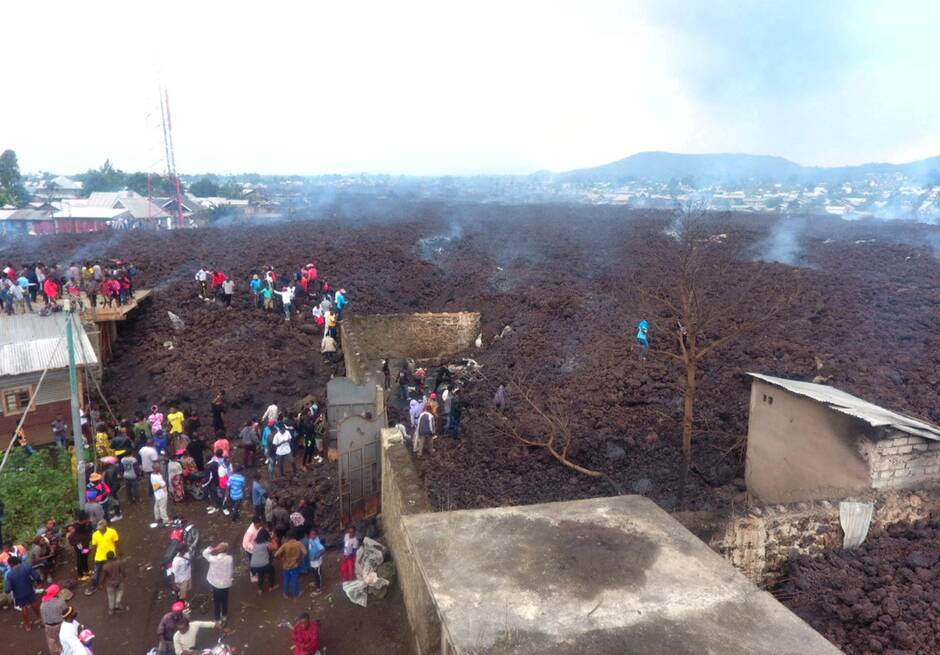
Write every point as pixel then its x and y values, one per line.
pixel 600 576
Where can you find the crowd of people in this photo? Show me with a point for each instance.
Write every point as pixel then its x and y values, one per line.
pixel 110 281
pixel 167 454
pixel 290 293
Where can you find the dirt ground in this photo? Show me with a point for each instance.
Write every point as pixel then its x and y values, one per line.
pixel 346 628
pixel 866 320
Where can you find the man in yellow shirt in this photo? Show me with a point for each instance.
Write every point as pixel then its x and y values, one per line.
pixel 104 540
pixel 176 419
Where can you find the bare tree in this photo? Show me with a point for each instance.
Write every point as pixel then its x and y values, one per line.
pixel 536 424
pixel 702 302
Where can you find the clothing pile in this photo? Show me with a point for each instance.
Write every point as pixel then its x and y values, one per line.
pixel 369 558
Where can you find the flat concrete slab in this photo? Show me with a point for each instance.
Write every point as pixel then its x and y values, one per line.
pixel 599 576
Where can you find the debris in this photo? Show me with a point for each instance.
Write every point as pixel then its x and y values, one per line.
pixel 176 321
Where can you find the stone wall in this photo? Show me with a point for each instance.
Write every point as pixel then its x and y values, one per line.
pixel 904 461
pixel 760 542
pixel 403 494
pixel 368 338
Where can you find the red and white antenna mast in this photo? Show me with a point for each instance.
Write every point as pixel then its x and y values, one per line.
pixel 170 154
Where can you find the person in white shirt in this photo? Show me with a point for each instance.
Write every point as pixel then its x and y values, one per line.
pixel 287 297
pixel 148 457
pixel 219 577
pixel 158 484
pixel 202 277
pixel 282 450
pixel 68 634
pixel 184 640
pixel 182 570
pixel 270 414
pixel 228 288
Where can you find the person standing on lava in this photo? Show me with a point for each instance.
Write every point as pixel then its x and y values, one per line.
pixel 218 411
pixel 642 337
pixel 202 277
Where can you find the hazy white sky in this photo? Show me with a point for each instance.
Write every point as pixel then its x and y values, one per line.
pixel 470 87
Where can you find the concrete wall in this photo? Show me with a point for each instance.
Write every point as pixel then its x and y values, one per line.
pixel 799 449
pixel 902 461
pixel 760 543
pixel 403 494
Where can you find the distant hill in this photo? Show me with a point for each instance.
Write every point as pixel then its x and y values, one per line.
pixel 721 168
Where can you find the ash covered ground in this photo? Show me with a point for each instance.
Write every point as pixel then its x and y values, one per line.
pixel 866 320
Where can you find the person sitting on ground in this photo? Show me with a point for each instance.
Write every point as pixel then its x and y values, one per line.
pixel 306 636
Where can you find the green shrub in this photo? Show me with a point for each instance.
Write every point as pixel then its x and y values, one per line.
pixel 35 489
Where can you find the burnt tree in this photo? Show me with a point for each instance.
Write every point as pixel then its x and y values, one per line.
pixel 699 303
pixel 542 424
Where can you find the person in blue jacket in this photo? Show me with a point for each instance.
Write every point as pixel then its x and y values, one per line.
pixel 340 302
pixel 642 336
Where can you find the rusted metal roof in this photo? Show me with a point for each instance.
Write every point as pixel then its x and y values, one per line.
pixel 30 342
pixel 840 401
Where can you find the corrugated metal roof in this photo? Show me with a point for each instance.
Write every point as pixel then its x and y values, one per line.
pixel 139 206
pixel 28 341
pixel 846 403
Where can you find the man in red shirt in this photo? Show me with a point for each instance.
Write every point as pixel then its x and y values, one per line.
pixel 306 636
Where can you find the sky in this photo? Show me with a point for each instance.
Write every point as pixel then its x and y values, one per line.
pixel 438 87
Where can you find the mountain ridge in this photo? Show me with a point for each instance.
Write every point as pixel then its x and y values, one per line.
pixel 662 166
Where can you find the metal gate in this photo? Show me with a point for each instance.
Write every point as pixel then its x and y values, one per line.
pixel 360 488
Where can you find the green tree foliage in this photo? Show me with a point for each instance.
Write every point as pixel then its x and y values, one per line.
pixel 106 178
pixel 157 186
pixel 34 489
pixel 230 190
pixel 12 191
pixel 205 188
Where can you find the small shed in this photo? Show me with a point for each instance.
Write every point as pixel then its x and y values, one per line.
pixel 29 343
pixel 808 441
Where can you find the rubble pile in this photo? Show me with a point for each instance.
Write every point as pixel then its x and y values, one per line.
pixel 881 597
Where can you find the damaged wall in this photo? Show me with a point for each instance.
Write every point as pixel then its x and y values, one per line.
pixel 904 461
pixel 760 543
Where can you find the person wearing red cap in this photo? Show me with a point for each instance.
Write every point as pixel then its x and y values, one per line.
pixel 51 612
pixel 169 624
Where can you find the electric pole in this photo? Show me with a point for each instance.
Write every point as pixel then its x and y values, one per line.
pixel 70 307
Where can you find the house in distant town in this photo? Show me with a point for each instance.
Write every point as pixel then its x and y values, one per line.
pixel 25 221
pixel 55 188
pixel 191 205
pixel 71 217
pixel 30 343
pixel 809 441
pixel 118 209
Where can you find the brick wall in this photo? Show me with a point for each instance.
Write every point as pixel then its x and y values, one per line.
pixel 904 461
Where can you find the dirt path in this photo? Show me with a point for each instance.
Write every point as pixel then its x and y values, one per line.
pixel 381 628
